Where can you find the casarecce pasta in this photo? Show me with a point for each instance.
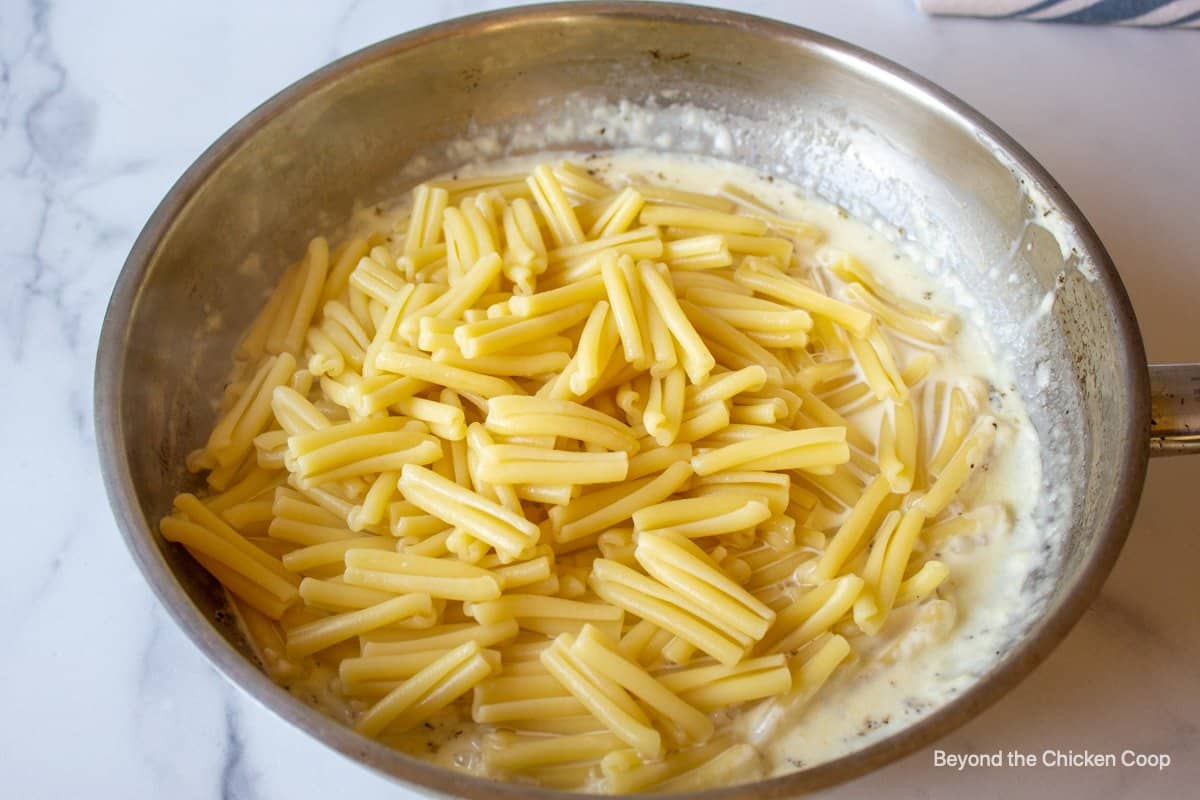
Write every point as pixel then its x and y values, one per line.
pixel 588 468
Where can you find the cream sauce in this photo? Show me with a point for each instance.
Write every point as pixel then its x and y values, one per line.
pixel 926 654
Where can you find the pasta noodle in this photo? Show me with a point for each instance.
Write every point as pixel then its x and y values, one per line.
pixel 587 468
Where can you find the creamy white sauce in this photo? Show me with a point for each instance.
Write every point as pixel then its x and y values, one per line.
pixel 922 658
pixel 926 654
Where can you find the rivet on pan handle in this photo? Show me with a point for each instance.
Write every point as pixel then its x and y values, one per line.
pixel 1174 409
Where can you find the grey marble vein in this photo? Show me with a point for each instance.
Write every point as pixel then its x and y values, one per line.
pixel 237 779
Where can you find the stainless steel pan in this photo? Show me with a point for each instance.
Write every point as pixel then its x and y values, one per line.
pixel 856 128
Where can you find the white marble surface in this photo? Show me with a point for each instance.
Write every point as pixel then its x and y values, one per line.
pixel 103 105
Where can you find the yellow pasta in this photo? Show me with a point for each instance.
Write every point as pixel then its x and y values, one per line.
pixel 431 689
pixel 507 753
pixel 683 566
pixel 810 669
pixel 647 598
pixel 547 615
pixel 788 450
pixel 306 559
pixel 701 219
pixel 536 416
pixel 698 362
pixel 740 688
pixel 871 366
pixel 669 195
pixel 620 299
pixel 462 380
pixel 762 276
pixel 489 336
pixel 769 487
pixel 851 531
pixel 955 424
pixel 525 251
pixel 697 517
pixel 336 596
pixel 323 633
pixel 518 464
pixel 355 449
pixel 357 673
pixel 376 280
pixel 232 555
pixel 736 348
pixel 697 252
pixel 663 414
pixel 898 447
pixel 588 290
pixel 233 436
pixel 592 354
pixel 592 648
pixel 619 214
pixel 396 643
pixel 466 291
pixel 585 252
pixel 624 772
pixel 959 468
pixel 401 573
pixel 586 468
pixel 601 704
pixel 424 227
pixel 813 613
pixel 509 533
pixel 922 583
pixel 556 210
pixel 603 509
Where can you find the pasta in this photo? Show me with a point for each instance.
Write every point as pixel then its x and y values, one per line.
pixel 587 469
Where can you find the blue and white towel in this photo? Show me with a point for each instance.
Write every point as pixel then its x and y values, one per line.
pixel 1142 13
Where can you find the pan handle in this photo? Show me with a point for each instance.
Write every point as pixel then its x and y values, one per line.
pixel 1174 409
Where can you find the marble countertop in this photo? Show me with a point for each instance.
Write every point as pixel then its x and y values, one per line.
pixel 103 105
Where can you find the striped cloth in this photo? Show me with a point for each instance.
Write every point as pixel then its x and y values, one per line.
pixel 1143 13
